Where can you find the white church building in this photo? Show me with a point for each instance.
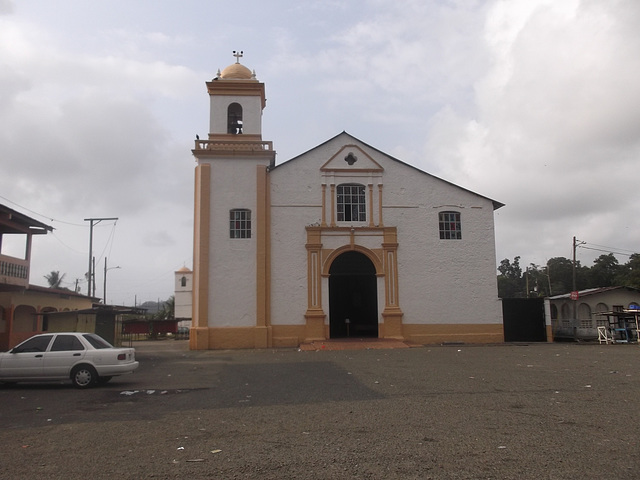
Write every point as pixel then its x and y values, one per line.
pixel 340 241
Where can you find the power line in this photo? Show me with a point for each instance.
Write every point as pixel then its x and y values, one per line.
pixel 611 248
pixel 48 217
pixel 65 245
pixel 606 249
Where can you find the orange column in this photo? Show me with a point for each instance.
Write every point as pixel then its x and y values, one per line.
pixel 199 338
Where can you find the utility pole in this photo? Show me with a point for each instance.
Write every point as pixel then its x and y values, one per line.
pixel 91 273
pixel 574 291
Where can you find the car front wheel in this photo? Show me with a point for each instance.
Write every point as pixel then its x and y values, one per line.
pixel 84 376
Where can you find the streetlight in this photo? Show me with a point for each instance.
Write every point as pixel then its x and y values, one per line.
pixel 104 299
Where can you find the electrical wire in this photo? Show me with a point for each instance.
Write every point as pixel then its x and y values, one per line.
pixel 610 248
pixel 49 218
pixel 606 251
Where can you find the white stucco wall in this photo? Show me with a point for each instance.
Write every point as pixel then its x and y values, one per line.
pixel 296 201
pixel 440 281
pixel 232 266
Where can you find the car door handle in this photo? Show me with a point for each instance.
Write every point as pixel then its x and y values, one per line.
pixel 76 354
pixel 38 356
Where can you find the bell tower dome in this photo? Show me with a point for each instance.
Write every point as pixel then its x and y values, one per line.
pixel 237 101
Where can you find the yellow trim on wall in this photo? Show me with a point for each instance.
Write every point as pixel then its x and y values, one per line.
pixel 380 219
pixel 201 243
pixel 291 336
pixel 453 333
pixel 375 168
pixel 370 191
pixel 333 205
pixel 238 88
pixel 324 205
pixel 262 248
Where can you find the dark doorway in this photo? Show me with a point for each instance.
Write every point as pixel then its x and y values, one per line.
pixel 524 320
pixel 105 327
pixel 353 298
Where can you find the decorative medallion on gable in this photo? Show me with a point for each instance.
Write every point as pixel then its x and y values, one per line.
pixel 351 158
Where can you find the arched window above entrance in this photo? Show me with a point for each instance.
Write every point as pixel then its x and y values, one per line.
pixel 234 119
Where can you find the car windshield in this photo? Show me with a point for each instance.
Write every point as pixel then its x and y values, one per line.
pixel 96 341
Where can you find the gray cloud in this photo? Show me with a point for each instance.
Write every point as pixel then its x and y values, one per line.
pixel 532 103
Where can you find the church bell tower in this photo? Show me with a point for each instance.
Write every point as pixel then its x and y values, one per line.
pixel 231 216
pixel 237 101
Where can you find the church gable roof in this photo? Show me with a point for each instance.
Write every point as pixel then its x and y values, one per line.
pixel 363 162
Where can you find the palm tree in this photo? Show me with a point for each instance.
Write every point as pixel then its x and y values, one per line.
pixel 166 309
pixel 170 307
pixel 55 279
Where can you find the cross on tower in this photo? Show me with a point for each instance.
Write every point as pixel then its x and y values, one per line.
pixel 238 55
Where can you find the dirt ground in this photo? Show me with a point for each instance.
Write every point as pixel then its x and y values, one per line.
pixel 540 411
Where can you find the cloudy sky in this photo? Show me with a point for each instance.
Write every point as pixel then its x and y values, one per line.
pixel 534 103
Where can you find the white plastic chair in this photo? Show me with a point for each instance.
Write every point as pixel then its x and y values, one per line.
pixel 603 336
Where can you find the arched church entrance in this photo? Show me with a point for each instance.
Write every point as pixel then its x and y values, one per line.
pixel 353 298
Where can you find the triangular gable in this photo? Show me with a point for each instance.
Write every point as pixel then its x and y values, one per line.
pixel 351 158
pixel 496 204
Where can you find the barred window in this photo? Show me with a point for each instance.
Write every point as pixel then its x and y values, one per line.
pixel 240 223
pixel 351 203
pixel 450 228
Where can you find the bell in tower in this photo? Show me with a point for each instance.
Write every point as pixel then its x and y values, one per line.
pixel 234 119
pixel 237 101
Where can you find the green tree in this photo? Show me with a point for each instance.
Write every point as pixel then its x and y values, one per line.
pixel 604 271
pixel 55 279
pixel 170 307
pixel 166 310
pixel 629 273
pixel 537 280
pixel 510 281
pixel 560 270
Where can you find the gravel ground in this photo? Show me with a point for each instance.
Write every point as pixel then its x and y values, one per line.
pixel 540 411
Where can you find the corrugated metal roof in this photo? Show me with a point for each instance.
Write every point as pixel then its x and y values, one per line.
pixel 592 291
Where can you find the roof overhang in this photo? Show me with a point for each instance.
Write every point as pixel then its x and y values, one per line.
pixel 12 221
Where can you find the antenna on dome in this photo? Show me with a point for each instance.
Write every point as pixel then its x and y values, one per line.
pixel 238 55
